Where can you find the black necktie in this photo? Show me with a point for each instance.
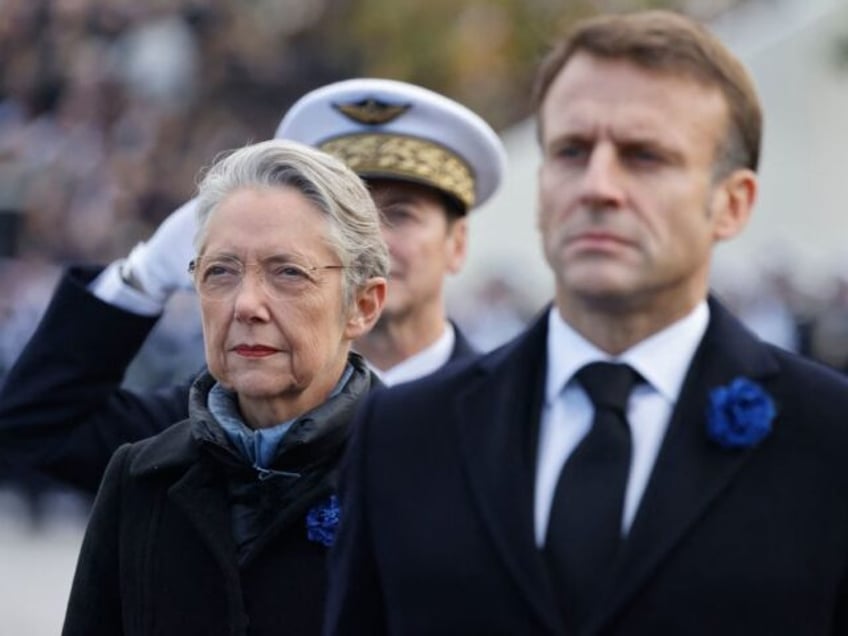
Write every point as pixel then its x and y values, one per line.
pixel 584 531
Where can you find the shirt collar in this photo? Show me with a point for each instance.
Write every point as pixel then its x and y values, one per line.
pixel 423 363
pixel 662 359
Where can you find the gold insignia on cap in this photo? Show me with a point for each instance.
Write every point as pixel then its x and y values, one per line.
pixel 371 111
pixel 405 158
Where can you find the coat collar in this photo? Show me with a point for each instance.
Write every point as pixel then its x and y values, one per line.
pixel 462 347
pixel 173 448
pixel 320 430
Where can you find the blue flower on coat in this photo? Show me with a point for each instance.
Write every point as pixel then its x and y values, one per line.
pixel 322 521
pixel 740 414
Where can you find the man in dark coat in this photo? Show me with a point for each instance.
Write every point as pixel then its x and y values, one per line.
pixel 636 463
pixel 428 161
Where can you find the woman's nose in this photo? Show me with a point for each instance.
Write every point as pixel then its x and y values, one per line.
pixel 251 297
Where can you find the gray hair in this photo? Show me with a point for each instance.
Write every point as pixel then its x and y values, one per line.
pixel 325 181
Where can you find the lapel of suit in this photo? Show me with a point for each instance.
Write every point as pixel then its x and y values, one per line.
pixel 690 471
pixel 497 418
pixel 461 346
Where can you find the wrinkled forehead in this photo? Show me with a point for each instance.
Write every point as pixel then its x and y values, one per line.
pixel 593 95
pixel 263 221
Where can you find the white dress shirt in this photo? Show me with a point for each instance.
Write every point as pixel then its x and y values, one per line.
pixel 422 363
pixel 663 361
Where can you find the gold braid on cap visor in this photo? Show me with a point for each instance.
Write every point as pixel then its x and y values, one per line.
pixel 381 155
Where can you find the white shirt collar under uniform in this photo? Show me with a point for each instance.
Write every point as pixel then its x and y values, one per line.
pixel 425 362
pixel 663 360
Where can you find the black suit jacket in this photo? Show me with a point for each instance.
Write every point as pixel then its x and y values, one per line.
pixel 437 529
pixel 62 409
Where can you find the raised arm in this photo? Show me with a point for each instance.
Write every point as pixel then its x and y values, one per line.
pixel 62 409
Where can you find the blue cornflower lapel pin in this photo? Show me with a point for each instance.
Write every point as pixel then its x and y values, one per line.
pixel 322 521
pixel 740 414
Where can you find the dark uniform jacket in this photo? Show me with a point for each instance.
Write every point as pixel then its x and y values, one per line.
pixel 62 409
pixel 186 538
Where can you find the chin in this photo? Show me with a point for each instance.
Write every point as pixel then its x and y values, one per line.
pixel 600 288
pixel 261 385
pixel 604 278
pixel 609 298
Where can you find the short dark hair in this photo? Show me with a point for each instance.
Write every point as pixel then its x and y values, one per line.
pixel 454 208
pixel 668 42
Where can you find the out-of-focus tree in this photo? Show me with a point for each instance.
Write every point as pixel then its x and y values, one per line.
pixel 481 52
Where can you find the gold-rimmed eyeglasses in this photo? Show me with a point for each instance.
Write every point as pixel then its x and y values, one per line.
pixel 219 277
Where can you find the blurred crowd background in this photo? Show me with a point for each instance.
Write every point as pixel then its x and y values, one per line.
pixel 109 108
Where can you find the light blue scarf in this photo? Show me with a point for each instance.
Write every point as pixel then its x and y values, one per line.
pixel 258 446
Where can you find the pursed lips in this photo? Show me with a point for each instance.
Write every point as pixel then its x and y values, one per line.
pixel 597 238
pixel 254 351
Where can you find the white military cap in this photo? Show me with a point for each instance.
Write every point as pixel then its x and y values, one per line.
pixel 388 129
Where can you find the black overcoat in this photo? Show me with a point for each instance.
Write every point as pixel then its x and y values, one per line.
pixel 160 555
pixel 736 542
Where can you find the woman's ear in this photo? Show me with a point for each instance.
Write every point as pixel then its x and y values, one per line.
pixel 367 306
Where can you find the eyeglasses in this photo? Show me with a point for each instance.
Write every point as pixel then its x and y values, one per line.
pixel 220 277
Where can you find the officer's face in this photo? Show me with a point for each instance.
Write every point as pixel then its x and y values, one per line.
pixel 423 244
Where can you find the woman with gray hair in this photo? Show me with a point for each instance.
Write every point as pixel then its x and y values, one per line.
pixel 220 524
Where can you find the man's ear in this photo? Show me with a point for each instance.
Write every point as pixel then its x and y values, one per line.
pixel 367 306
pixel 456 245
pixel 733 203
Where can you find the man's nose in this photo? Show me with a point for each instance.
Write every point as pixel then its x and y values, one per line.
pixel 603 180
